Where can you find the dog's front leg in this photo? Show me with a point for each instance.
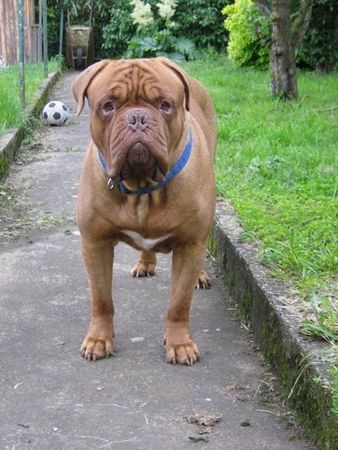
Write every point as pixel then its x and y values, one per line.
pixel 186 265
pixel 98 257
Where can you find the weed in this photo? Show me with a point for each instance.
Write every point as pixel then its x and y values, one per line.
pixel 49 220
pixel 70 149
pixel 324 320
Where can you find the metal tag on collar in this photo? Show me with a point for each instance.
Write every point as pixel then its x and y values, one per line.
pixel 110 184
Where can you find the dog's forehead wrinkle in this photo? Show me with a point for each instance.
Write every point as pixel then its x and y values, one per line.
pixel 137 81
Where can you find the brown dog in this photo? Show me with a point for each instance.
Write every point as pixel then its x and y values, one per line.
pixel 148 181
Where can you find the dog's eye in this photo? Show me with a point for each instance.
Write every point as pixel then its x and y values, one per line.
pixel 165 106
pixel 108 106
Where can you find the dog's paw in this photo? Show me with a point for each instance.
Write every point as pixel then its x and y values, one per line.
pixel 186 353
pixel 203 281
pixel 93 348
pixel 143 269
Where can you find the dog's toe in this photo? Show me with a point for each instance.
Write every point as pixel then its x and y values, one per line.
pixel 93 349
pixel 143 269
pixel 185 354
pixel 203 281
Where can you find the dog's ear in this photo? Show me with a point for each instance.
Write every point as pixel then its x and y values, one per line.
pixel 181 75
pixel 81 83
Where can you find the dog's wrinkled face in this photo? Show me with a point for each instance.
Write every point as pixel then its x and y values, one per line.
pixel 137 114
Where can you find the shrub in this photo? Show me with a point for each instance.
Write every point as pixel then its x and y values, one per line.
pixel 202 22
pixel 320 46
pixel 79 15
pixel 197 23
pixel 53 26
pixel 155 32
pixel 119 31
pixel 249 34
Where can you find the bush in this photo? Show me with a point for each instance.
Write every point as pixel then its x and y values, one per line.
pixel 156 32
pixel 320 46
pixel 119 31
pixel 249 34
pixel 198 23
pixel 53 26
pixel 79 15
pixel 202 22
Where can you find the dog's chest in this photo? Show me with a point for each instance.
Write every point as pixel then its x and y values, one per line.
pixel 144 243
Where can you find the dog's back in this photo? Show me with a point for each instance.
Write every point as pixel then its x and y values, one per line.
pixel 203 110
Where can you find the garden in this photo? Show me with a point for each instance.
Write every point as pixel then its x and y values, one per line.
pixel 277 159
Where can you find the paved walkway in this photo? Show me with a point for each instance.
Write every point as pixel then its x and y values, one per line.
pixel 50 398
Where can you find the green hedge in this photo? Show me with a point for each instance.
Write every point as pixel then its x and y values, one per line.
pixel 250 31
pixel 203 23
pixel 199 20
pixel 320 47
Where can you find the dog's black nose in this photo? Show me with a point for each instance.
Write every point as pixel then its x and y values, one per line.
pixel 138 119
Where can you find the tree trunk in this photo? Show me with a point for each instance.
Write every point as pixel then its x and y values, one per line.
pixel 283 67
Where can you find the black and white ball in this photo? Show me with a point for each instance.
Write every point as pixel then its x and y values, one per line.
pixel 55 113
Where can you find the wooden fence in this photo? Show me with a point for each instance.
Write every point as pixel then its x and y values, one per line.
pixel 9 31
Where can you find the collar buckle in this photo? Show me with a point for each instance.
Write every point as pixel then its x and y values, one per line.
pixel 175 170
pixel 110 184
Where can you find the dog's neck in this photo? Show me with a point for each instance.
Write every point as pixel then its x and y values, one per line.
pixel 153 186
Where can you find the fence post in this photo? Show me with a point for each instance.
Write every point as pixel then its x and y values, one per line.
pixel 40 33
pixel 21 51
pixel 45 45
pixel 61 28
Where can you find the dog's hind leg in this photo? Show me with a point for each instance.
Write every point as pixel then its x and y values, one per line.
pixel 203 281
pixel 145 266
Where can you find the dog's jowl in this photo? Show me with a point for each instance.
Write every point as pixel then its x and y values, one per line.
pixel 148 181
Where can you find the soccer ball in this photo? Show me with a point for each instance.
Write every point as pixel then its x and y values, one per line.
pixel 55 113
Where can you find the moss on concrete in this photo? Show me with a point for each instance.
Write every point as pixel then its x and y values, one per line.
pixel 290 355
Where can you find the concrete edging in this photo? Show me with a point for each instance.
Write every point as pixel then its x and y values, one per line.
pixel 263 301
pixel 11 140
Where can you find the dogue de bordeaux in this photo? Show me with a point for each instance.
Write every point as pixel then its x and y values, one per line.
pixel 147 180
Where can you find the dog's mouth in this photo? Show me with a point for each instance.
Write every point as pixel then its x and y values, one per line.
pixel 140 161
pixel 140 164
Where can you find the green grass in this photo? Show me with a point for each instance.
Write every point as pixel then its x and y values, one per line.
pixel 10 114
pixel 334 374
pixel 277 162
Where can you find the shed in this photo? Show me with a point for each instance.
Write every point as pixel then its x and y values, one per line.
pixel 9 31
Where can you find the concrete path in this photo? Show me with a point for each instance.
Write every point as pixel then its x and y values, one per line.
pixel 50 398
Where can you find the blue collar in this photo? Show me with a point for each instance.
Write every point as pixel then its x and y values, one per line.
pixel 176 169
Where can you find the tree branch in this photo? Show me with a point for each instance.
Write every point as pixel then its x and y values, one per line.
pixel 264 6
pixel 301 23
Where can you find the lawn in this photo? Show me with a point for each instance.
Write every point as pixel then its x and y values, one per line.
pixel 10 114
pixel 277 162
